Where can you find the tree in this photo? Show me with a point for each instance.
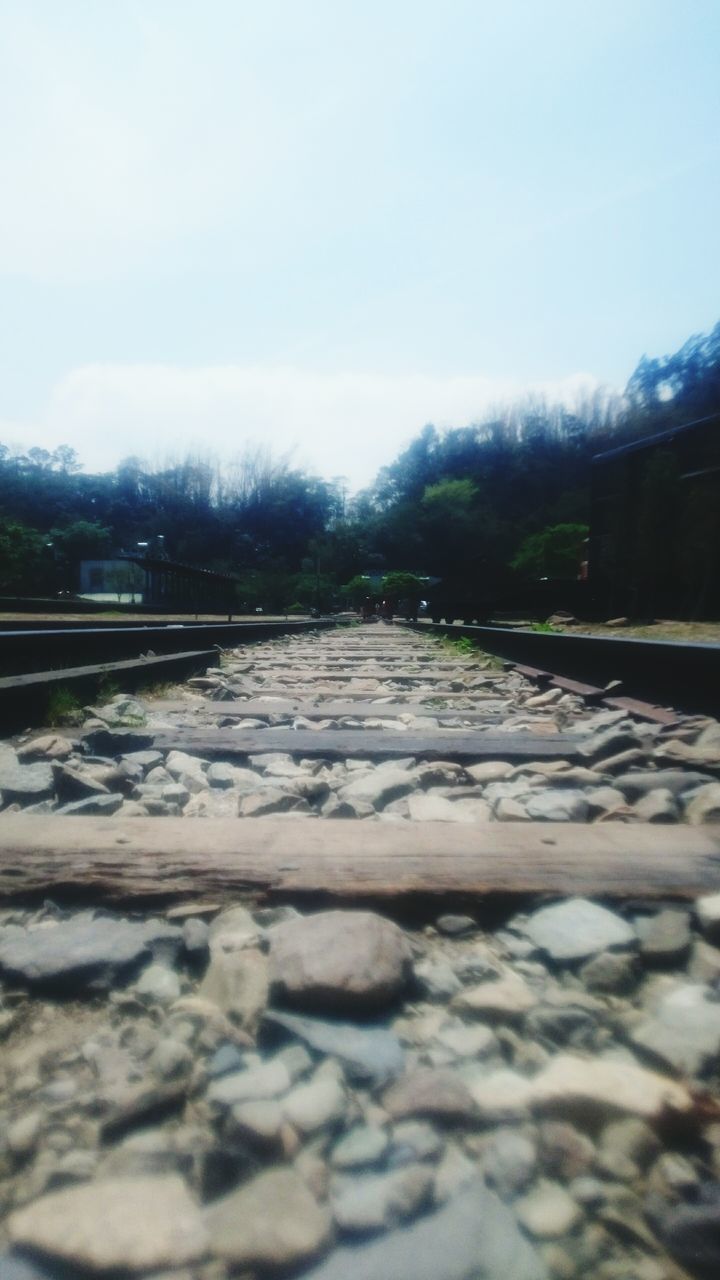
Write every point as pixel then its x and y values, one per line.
pixel 25 567
pixel 356 590
pixel 555 552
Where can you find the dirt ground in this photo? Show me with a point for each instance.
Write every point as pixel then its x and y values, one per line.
pixel 660 629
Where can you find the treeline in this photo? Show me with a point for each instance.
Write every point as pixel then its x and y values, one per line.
pixel 510 492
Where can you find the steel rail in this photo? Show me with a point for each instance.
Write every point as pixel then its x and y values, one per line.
pixel 27 650
pixel 684 675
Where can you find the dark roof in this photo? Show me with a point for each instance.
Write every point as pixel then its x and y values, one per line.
pixel 176 567
pixel 648 442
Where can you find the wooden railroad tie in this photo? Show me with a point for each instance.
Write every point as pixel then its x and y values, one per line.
pixel 159 860
pixel 341 744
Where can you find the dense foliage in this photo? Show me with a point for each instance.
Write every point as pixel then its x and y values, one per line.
pixel 510 493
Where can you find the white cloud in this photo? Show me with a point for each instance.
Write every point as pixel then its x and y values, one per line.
pixel 347 424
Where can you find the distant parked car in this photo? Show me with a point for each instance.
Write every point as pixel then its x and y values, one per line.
pixel 258 609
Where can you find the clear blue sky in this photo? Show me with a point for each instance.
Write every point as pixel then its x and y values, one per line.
pixel 321 223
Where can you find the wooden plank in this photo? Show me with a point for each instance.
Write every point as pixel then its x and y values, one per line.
pixel 321 710
pixel 310 690
pixel 339 744
pixel 322 673
pixel 360 665
pixel 166 859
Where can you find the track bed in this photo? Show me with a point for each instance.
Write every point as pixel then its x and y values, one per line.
pixel 356 956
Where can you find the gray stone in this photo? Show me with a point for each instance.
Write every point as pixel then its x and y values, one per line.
pixel 664 937
pixel 609 742
pixel 610 973
pixel 436 979
pixel 507 999
pixel 314 790
pixel 659 805
pixel 373 1202
pixel 335 808
pixel 467 1042
pixel 159 984
pixel 24 782
pixel 359 1148
pixel 260 1122
pixel 314 1105
pixel 439 1094
pixel 272 1222
pixel 508 1161
pixel 707 910
pixel 75 784
pixel 677 781
pixel 369 1055
pixel 297 1060
pixel 703 805
pixel 489 771
pixel 80 955
pixel 22 1134
pixel 238 983
pixel 138 1224
pixel 562 1024
pixel 673 1175
pixel 96 806
pixel 414 1140
pixel 455 926
pixel 122 711
pixel 509 809
pixel 632 1138
pixel 170 1059
pixel 705 962
pixel 435 808
pixel 691 1233
pixel 145 759
pixel 502 1095
pixel 565 1152
pixel 454 1172
pixel 577 929
pixel 268 1080
pixel 379 787
pixel 548 1211
pixel 49 746
pixel 472 1237
pixel 557 806
pixel 635 758
pixel 195 938
pixel 606 800
pixel 590 1087
pixel 221 775
pixel 339 960
pixel 233 930
pixel 225 1059
pixel 272 800
pixel 684 1031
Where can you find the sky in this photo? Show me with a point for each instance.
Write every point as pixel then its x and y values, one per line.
pixel 320 224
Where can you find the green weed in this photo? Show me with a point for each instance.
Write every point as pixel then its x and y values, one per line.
pixel 63 708
pixel 107 688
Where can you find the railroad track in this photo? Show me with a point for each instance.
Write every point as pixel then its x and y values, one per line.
pixel 683 674
pixel 506 895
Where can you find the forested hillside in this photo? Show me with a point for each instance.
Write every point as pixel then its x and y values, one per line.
pixel 512 490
